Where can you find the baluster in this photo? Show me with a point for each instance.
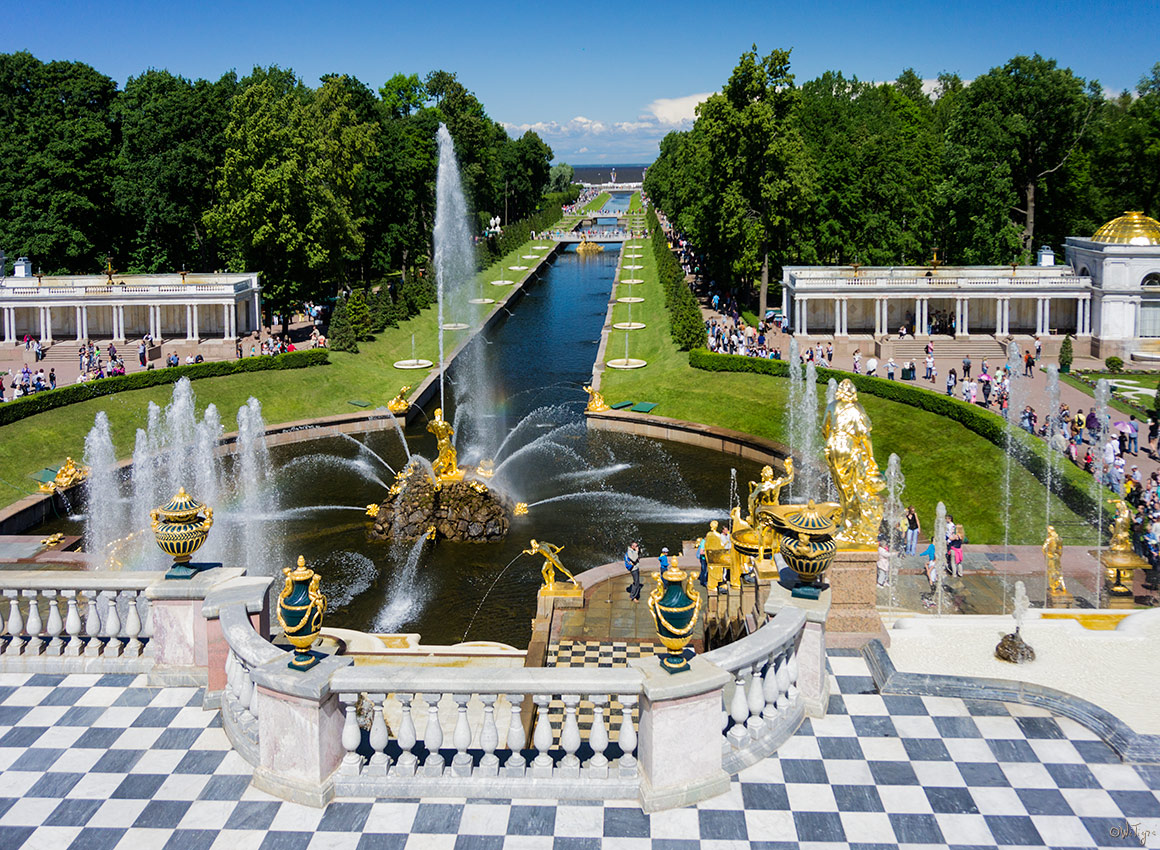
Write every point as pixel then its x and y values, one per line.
pixel 407 739
pixel 738 710
pixel 793 673
pixel 488 737
pixel 92 624
pixel 147 626
pixel 55 625
pixel 246 686
pixel 351 737
pixel 542 737
pixel 570 737
pixel 15 624
pixel 770 689
pixel 112 625
pixel 72 625
pixel 379 737
pixel 461 737
pixel 756 699
pixel 627 737
pixel 433 737
pixel 133 627
pixel 783 683
pixel 35 626
pixel 516 739
pixel 598 738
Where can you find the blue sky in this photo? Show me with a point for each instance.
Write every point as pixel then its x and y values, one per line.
pixel 602 85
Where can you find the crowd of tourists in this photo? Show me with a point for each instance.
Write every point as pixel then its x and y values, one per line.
pixel 26 382
pixel 577 206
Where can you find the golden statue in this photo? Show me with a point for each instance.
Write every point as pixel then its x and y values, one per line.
pixel 446 465
pixel 768 490
pixel 373 510
pixel 1119 560
pixel 1053 552
pixel 399 404
pixel 551 562
pixel 596 402
pixel 1121 527
pixel 846 429
pixel 68 475
pixel 720 556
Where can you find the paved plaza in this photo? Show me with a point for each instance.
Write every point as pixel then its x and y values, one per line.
pixel 92 762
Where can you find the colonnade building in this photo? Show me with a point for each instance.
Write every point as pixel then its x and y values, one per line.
pixel 1106 295
pixel 182 306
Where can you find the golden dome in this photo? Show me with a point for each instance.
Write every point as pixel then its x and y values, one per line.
pixel 1132 228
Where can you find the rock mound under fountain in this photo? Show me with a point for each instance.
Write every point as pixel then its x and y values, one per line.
pixel 465 511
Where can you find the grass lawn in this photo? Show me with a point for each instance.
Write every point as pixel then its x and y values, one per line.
pixel 598 202
pixel 1145 386
pixel 941 460
pixel 47 438
pixel 634 204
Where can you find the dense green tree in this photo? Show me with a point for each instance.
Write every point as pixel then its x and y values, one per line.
pixel 342 335
pixel 1014 130
pixel 560 177
pixel 172 142
pixel 56 147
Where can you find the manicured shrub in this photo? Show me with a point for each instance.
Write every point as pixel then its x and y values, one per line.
pixel 685 322
pixel 1066 354
pixel 341 332
pixel 22 408
pixel 1114 364
pixel 1071 484
pixel 358 314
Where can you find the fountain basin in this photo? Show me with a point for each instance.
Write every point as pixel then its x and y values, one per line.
pixel 417 363
pixel 626 363
pixel 629 326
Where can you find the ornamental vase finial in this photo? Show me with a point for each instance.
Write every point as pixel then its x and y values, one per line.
pixel 675 604
pixel 301 607
pixel 180 529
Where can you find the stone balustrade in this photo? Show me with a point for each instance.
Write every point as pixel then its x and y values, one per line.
pixel 764 707
pixel 73 621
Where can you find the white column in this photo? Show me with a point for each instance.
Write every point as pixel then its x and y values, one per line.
pixel 805 326
pixel 78 323
pixel 84 322
pixel 845 317
pixel 1087 317
pixel 9 324
pixel 958 315
pixel 1040 311
pixel 797 315
pixel 919 327
pixel 998 317
pixel 119 316
pixel 40 314
pixel 837 317
pixel 188 321
pixel 257 315
pixel 233 308
pixel 225 321
pixel 966 330
pixel 1047 316
pixel 1006 316
pixel 196 333
pixel 48 325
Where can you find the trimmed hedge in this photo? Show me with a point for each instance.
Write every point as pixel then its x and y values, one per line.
pixel 685 323
pixel 22 408
pixel 1073 485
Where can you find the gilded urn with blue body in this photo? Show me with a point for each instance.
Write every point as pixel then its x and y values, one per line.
pixel 807 538
pixel 301 606
pixel 180 529
pixel 675 604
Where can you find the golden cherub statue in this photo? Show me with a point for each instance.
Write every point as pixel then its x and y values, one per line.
pixel 68 475
pixel 596 402
pixel 551 562
pixel 446 464
pixel 399 404
pixel 1052 552
pixel 767 491
pixel 846 429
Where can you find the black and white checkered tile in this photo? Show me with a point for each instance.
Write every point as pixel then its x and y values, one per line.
pixel 95 762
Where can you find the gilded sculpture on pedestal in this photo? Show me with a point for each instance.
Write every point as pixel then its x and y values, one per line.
pixel 596 402
pixel 767 491
pixel 1121 527
pixel 446 465
pixel 399 404
pixel 855 473
pixel 549 551
pixel 1052 553
pixel 67 476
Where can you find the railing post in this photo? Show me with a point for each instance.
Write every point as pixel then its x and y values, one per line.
pixel 805 661
pixel 15 624
pixel 351 737
pixel 92 624
pixel 679 767
pixel 433 737
pixel 72 625
pixel 407 739
pixel 379 737
pixel 542 737
pixel 461 737
pixel 516 740
pixel 597 766
pixel 55 646
pixel 570 738
pixel 35 626
pixel 488 737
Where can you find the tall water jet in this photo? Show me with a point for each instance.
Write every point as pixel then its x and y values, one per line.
pixel 813 472
pixel 254 495
pixel 893 513
pixel 102 491
pixel 454 260
pixel 1016 394
pixel 940 552
pixel 1054 448
pixel 1099 490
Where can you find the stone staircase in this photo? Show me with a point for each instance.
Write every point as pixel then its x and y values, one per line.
pixel 949 349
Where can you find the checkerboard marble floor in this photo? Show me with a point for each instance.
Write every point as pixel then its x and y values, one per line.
pixel 94 762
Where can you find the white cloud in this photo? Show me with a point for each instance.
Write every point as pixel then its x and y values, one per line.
pixel 673 111
pixel 616 140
